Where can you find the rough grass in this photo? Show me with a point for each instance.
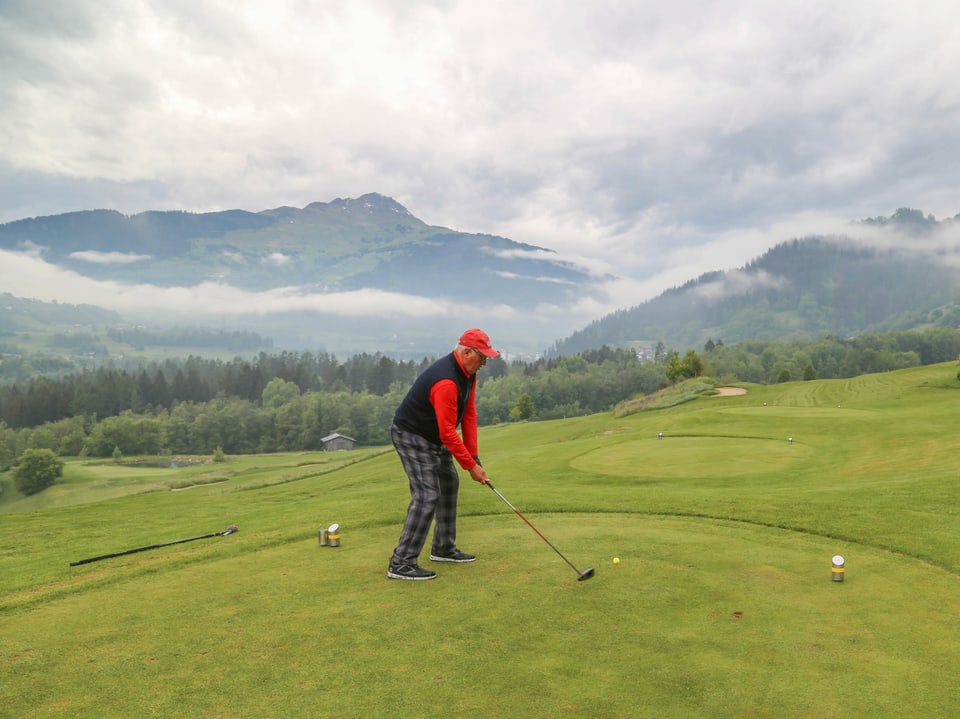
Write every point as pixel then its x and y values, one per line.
pixel 723 605
pixel 671 396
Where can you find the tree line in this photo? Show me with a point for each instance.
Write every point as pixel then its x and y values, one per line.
pixel 291 401
pixel 830 357
pixel 111 389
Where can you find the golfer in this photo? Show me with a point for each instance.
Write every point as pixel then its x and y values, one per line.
pixel 424 433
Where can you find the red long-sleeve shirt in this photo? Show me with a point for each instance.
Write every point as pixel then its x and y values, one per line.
pixel 443 397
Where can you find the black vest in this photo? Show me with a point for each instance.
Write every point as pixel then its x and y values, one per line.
pixel 416 414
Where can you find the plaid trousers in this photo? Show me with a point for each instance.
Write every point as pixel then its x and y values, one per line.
pixel 434 486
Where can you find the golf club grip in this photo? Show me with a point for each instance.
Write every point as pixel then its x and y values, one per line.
pixel 229 530
pixel 114 554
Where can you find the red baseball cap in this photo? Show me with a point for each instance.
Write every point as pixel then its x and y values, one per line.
pixel 478 340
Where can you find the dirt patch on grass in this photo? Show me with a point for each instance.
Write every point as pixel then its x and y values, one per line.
pixel 728 391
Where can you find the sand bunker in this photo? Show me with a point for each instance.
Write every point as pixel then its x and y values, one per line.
pixel 728 391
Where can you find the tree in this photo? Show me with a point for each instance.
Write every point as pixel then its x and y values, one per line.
pixel 381 376
pixel 523 409
pixel 691 365
pixel 7 445
pixel 130 433
pixel 279 392
pixel 660 353
pixel 673 371
pixel 37 470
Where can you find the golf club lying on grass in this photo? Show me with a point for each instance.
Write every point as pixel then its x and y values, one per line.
pixel 229 530
pixel 585 574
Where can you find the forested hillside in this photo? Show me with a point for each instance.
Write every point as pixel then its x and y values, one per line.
pixel 802 289
pixel 22 315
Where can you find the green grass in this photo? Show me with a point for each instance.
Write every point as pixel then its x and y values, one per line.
pixel 723 605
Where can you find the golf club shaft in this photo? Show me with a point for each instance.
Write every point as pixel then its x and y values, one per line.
pixel 529 524
pixel 229 530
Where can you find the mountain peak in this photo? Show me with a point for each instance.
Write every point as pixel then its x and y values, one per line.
pixel 371 203
pixel 909 220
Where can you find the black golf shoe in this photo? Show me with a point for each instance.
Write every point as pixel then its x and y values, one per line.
pixel 409 571
pixel 455 556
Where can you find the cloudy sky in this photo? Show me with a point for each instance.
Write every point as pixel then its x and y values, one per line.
pixel 655 141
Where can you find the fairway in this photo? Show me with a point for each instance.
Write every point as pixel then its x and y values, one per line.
pixel 723 605
pixel 692 458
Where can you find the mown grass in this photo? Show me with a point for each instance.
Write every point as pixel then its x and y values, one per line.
pixel 87 480
pixel 723 605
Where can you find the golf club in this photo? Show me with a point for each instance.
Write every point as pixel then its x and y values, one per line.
pixel 229 530
pixel 581 576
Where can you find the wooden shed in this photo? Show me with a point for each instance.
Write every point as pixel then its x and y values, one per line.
pixel 336 441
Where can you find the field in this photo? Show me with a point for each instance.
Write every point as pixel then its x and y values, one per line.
pixel 723 605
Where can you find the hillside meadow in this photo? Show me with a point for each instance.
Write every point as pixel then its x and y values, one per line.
pixel 725 512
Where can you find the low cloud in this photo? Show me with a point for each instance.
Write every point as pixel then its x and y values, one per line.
pixel 941 242
pixel 27 275
pixel 234 257
pixel 590 266
pixel 736 283
pixel 32 249
pixel 548 280
pixel 277 259
pixel 109 258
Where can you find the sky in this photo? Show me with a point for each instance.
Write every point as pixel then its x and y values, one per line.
pixel 650 142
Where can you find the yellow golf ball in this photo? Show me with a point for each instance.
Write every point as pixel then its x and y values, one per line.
pixel 616 560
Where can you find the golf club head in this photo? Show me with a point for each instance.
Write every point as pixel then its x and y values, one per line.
pixel 230 530
pixel 585 574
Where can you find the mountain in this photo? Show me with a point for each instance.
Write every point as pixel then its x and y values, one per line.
pixel 801 289
pixel 22 315
pixel 343 245
pixel 369 244
pixel 324 266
